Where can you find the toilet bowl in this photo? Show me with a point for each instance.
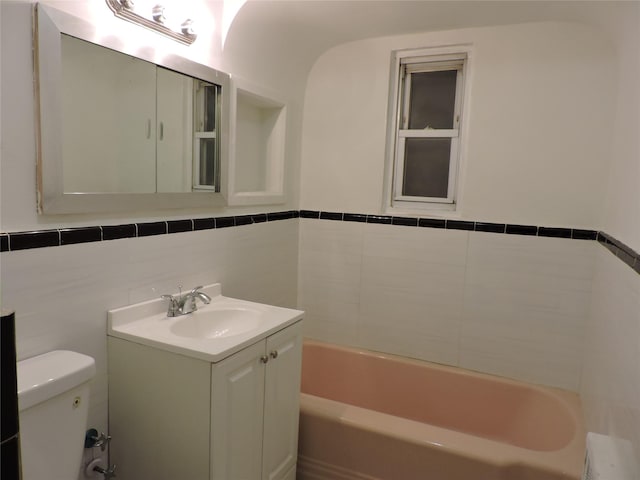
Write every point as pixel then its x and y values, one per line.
pixel 53 403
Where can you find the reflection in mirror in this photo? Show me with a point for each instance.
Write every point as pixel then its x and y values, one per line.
pixel 108 118
pixel 206 145
pixel 174 131
pixel 117 132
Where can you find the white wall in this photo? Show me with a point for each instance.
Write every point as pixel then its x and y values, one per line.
pixel 620 216
pixel 610 388
pixel 539 123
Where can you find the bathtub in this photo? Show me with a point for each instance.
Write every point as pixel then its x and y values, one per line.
pixel 366 416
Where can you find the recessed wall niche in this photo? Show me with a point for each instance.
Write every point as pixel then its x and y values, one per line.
pixel 257 147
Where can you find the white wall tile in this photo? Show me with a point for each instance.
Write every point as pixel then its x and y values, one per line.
pixel 330 262
pixel 505 304
pixel 411 295
pixel 525 302
pixel 610 387
pixel 431 245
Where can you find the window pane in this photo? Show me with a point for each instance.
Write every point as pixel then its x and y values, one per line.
pixel 432 102
pixel 207 167
pixel 206 106
pixel 210 97
pixel 426 167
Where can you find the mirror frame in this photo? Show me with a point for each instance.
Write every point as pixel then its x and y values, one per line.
pixel 48 25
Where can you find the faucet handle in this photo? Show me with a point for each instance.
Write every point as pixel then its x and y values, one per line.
pixel 195 289
pixel 174 306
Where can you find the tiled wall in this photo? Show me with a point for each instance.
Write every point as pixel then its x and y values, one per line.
pixel 61 294
pixel 512 305
pixel 505 299
pixel 610 388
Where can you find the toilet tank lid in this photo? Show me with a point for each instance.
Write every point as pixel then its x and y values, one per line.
pixel 50 374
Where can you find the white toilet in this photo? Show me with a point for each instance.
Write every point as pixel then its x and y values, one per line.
pixel 53 400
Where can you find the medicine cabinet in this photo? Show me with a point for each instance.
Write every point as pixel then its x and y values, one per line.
pixel 120 130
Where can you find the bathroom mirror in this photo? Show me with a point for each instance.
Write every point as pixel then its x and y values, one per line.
pixel 120 130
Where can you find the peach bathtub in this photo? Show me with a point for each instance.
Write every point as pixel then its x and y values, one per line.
pixel 366 416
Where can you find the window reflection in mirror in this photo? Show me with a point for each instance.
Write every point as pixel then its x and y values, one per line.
pixel 206 147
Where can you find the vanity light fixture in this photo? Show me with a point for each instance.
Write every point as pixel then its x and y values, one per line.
pixel 124 9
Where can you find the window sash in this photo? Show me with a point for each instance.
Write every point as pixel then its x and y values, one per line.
pixel 399 177
pixel 408 66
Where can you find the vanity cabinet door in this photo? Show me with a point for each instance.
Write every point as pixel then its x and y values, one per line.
pixel 255 399
pixel 282 402
pixel 237 395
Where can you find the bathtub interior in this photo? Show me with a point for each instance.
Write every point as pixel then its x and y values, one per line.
pixel 482 405
pixel 367 415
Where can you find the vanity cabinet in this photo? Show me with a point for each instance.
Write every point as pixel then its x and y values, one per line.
pixel 173 416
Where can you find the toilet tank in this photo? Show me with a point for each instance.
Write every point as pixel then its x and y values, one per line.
pixel 53 402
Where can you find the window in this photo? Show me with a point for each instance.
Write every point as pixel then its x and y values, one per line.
pixel 206 152
pixel 426 128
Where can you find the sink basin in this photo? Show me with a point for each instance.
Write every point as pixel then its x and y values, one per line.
pixel 216 323
pixel 213 332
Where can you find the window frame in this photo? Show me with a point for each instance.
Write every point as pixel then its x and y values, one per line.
pixel 456 57
pixel 200 133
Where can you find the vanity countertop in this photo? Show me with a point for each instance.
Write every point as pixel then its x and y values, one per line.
pixel 212 333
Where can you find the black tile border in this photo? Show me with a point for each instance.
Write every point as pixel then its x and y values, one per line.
pixel 13 241
pixel 331 216
pixel 243 220
pixel 34 239
pixel 204 223
pixel 491 227
pixel 521 229
pixel 69 236
pixel 4 242
pixel 115 232
pixel 352 217
pixel 620 250
pixel 380 219
pixel 405 221
pixel 432 223
pixel 225 222
pixel 554 232
pixel 179 226
pixel 311 214
pixel 149 229
pixel 460 225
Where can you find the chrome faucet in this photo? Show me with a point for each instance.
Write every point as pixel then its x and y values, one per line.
pixel 184 304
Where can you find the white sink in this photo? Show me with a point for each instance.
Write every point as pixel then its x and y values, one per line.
pixel 212 333
pixel 217 322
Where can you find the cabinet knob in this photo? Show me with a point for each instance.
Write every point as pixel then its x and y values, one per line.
pixel 274 354
pixel 264 358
